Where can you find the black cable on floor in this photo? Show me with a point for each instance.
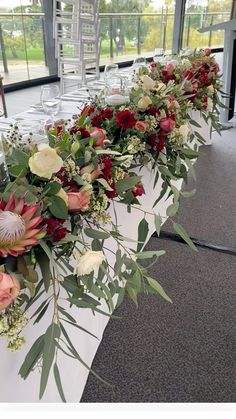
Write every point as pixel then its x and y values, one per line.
pixel 166 235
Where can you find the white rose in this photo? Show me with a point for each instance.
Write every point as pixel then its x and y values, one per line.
pixel 147 83
pixel 88 262
pixel 210 90
pixel 144 102
pixel 63 195
pixel 45 162
pixel 184 131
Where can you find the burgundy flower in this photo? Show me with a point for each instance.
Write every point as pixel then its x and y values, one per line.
pixel 125 119
pixel 59 234
pixel 153 111
pixel 161 142
pixel 111 194
pixel 51 225
pixel 157 141
pixel 107 113
pixel 79 130
pixel 138 190
pixel 105 165
pixel 88 109
pixel 189 75
pixel 96 120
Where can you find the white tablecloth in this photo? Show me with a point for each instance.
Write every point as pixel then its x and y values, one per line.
pixel 73 374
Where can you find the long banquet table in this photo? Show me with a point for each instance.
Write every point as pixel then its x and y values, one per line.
pixel 73 374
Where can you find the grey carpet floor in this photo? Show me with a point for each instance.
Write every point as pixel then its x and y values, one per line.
pixel 185 351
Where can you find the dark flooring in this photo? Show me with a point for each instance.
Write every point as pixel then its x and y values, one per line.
pixel 185 351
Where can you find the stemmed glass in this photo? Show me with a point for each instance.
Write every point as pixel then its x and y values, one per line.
pixel 158 54
pixel 110 70
pixel 139 62
pixel 50 99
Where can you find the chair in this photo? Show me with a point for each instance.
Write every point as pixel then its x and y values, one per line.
pixel 4 111
pixel 78 41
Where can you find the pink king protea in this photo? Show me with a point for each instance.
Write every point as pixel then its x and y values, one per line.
pixel 17 226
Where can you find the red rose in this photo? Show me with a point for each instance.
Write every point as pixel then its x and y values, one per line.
pixel 153 65
pixel 138 190
pixel 167 124
pixel 59 234
pixel 125 119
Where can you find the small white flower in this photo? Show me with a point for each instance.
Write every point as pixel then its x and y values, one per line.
pixel 86 177
pixel 88 262
pixel 210 90
pixel 209 104
pixel 184 131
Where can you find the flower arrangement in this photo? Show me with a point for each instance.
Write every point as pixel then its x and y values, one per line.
pixel 199 77
pixel 57 207
pixel 55 217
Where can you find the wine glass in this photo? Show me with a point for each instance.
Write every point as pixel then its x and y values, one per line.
pixel 158 54
pixel 110 71
pixel 139 62
pixel 50 99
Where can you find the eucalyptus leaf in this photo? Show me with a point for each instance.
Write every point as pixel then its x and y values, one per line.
pixel 184 235
pixel 32 357
pixel 58 382
pixel 52 333
pixel 96 234
pixel 157 287
pixel 158 223
pixel 143 230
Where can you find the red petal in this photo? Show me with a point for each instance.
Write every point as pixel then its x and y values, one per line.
pixel 11 203
pixel 35 221
pixel 27 216
pixel 19 207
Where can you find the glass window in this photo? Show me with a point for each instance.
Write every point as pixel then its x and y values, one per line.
pixel 199 13
pixel 135 27
pixel 23 41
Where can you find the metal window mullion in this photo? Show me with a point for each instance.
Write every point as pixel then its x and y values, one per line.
pixel 178 25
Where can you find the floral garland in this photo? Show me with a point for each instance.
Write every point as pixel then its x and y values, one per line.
pixel 199 77
pixel 55 211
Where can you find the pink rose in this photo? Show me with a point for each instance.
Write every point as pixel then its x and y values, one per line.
pixel 78 201
pixel 9 289
pixel 167 124
pixel 170 68
pixel 100 136
pixel 207 51
pixel 141 126
pixel 90 169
